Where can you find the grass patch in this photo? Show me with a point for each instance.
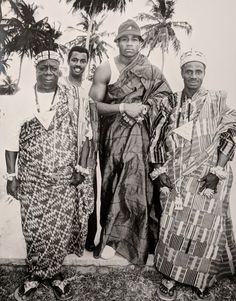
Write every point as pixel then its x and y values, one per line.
pixel 107 283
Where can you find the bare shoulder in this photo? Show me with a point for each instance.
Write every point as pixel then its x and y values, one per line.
pixel 102 73
pixel 101 79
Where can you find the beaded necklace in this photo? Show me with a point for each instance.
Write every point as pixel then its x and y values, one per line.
pixel 37 101
pixel 55 176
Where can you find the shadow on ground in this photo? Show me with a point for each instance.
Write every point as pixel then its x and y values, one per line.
pixel 108 283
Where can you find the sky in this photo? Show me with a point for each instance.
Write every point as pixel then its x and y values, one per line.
pixel 214 33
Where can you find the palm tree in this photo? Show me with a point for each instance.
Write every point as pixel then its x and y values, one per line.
pixel 94 7
pixel 8 86
pixel 97 45
pixel 26 36
pixel 160 30
pixel 3 65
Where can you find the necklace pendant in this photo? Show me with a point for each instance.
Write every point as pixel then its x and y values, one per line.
pixel 178 203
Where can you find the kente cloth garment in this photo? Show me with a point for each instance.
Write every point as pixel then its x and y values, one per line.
pixel 46 160
pixel 126 153
pixel 196 244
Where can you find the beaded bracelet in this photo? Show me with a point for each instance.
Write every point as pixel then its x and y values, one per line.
pixel 82 170
pixel 219 172
pixel 9 176
pixel 157 172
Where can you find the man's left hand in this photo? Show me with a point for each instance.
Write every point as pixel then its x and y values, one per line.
pixel 210 181
pixel 77 178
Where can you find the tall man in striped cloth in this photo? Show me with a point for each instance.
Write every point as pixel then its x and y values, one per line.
pixel 196 242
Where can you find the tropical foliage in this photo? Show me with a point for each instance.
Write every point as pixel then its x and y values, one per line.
pixel 160 29
pixel 23 35
pixel 98 47
pixel 8 86
pixel 94 7
pixel 3 65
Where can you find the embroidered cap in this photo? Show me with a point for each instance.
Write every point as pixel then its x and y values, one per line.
pixel 45 55
pixel 128 27
pixel 192 56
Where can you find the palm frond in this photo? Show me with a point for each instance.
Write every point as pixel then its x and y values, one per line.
pixel 97 41
pixel 161 33
pixel 3 65
pixel 183 25
pixel 176 44
pixel 146 17
pixel 95 6
pixel 8 86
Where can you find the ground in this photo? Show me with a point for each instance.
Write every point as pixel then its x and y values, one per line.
pixel 93 283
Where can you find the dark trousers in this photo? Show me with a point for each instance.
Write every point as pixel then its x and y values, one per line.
pixel 92 222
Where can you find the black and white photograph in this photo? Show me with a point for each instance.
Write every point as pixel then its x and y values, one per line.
pixel 117 150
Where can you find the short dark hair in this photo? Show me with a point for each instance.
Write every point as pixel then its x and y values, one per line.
pixel 80 49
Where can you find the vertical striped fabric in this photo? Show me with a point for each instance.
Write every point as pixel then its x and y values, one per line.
pixel 196 244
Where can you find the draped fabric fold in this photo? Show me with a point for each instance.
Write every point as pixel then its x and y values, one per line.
pixel 127 150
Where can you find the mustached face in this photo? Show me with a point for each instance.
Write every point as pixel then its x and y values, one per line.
pixel 77 63
pixel 193 74
pixel 129 45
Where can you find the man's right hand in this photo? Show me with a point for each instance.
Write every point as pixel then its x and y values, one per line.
pixel 133 110
pixel 12 186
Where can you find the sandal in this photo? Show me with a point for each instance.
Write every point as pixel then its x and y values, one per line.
pixel 27 289
pixel 206 295
pixel 167 290
pixel 61 288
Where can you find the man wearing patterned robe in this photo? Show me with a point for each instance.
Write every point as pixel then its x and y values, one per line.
pixel 77 60
pixel 196 243
pixel 132 98
pixel 44 133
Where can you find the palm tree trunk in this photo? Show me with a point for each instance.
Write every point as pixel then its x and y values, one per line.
pixel 89 31
pixel 88 40
pixel 0 10
pixel 149 52
pixel 162 59
pixel 20 69
pixel 89 65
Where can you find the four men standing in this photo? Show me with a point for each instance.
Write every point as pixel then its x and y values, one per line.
pixel 146 132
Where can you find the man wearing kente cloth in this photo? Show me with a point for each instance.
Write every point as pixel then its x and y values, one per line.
pixel 132 98
pixel 196 243
pixel 43 132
